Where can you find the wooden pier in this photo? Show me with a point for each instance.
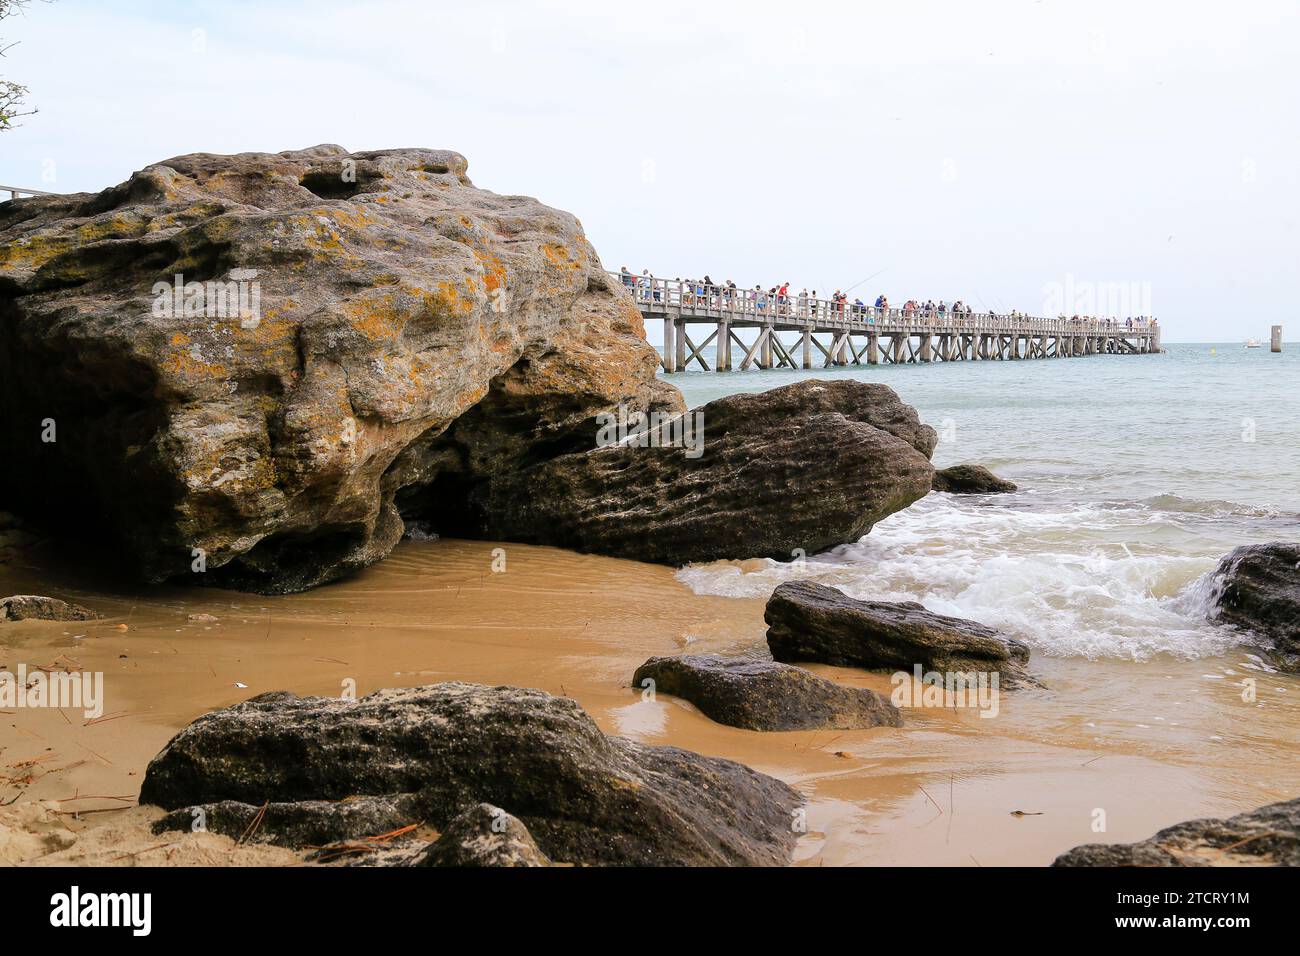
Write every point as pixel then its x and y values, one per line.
pixel 860 334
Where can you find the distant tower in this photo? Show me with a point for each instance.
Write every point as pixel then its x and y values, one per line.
pixel 1277 338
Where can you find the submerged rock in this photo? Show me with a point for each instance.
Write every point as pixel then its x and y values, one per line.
pixel 20 607
pixel 813 622
pixel 585 797
pixel 970 480
pixel 1267 836
pixel 799 468
pixel 757 694
pixel 484 835
pixel 237 369
pixel 1258 588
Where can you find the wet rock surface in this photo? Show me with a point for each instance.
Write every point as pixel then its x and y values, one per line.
pixel 306 823
pixel 796 469
pixel 484 835
pixel 813 622
pixel 971 480
pixel 1258 588
pixel 585 797
pixel 757 694
pixel 1267 836
pixel 35 607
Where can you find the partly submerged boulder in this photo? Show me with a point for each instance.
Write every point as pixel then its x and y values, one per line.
pixel 1267 836
pixel 797 469
pixel 585 797
pixel 35 607
pixel 244 365
pixel 970 480
pixel 484 835
pixel 757 694
pixel 1258 588
pixel 813 622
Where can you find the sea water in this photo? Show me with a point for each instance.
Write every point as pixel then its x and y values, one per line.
pixel 1136 475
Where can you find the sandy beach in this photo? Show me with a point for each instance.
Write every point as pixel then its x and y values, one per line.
pixel 1147 743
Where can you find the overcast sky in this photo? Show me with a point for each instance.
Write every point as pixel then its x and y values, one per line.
pixel 989 151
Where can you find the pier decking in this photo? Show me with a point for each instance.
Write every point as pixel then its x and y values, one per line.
pixel 861 334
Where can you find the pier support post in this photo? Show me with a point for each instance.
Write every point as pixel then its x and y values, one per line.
pixel 1275 342
pixel 765 360
pixel 670 349
pixel 679 340
pixel 807 348
pixel 873 348
pixel 926 347
pixel 723 363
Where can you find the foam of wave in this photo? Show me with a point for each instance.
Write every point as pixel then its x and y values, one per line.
pixel 1068 580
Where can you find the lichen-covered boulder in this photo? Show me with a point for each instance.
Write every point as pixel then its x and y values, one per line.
pixel 235 365
pixel 585 797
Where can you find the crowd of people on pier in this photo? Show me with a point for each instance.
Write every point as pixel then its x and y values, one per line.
pixel 779 301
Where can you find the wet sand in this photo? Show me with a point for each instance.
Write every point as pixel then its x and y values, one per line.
pixel 1149 744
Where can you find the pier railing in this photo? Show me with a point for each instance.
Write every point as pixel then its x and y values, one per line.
pixel 678 298
pixel 17 191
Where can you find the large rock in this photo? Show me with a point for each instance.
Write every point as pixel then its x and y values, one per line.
pixel 585 797
pixel 813 622
pixel 757 694
pixel 1267 836
pixel 1258 588
pixel 971 480
pixel 36 607
pixel 414 334
pixel 484 835
pixel 802 467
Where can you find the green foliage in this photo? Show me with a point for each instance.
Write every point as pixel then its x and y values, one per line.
pixel 11 93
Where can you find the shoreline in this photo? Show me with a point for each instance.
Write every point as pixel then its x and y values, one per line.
pixel 1149 743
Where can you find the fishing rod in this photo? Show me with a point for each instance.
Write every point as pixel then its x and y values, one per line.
pixel 860 281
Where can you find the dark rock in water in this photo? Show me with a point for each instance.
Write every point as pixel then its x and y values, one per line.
pixel 585 797
pixel 402 336
pixel 484 835
pixel 20 607
pixel 813 622
pixel 970 480
pixel 1267 836
pixel 1258 588
pixel 757 694
pixel 307 823
pixel 806 466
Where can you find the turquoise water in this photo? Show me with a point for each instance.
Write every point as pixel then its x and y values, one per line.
pixel 1136 474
